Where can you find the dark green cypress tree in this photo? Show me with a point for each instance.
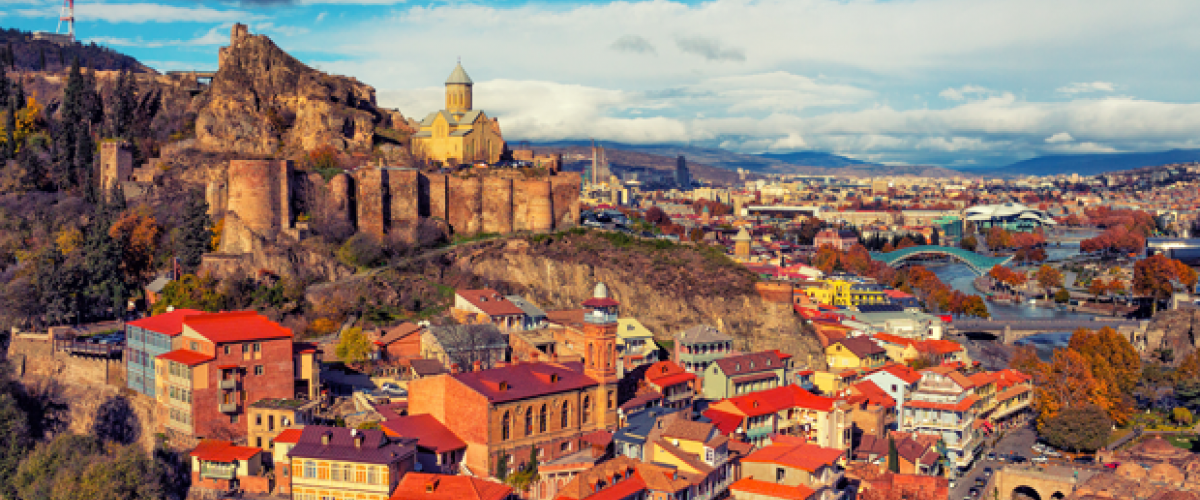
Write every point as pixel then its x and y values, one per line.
pixel 124 104
pixel 4 85
pixel 195 234
pixel 84 173
pixel 10 125
pixel 893 460
pixel 42 59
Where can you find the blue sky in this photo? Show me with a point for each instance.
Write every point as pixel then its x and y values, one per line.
pixel 944 82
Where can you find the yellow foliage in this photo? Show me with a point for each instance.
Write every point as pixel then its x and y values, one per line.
pixel 218 229
pixel 322 326
pixel 69 240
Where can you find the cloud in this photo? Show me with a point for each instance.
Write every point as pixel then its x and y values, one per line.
pixel 634 43
pixel 214 37
pixel 1085 87
pixel 321 16
pixel 710 49
pixel 139 13
pixel 1060 137
pixel 961 93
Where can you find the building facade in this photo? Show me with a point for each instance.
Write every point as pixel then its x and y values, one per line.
pixel 146 339
pixel 459 133
pixel 336 463
pixel 697 347
pixel 746 373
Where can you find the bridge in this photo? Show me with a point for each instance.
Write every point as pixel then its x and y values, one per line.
pixel 1015 329
pixel 980 264
pixel 1036 482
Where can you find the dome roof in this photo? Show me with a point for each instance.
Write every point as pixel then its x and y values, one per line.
pixel 1165 473
pixel 459 75
pixel 600 292
pixel 1131 471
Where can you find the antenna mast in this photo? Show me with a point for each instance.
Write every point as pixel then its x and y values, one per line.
pixel 68 15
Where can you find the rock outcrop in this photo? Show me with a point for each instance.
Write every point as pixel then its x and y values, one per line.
pixel 1177 330
pixel 263 100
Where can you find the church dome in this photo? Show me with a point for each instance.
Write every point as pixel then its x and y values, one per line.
pixel 1131 471
pixel 459 76
pixel 1165 473
pixel 600 292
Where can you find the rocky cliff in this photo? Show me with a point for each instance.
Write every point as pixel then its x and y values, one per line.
pixel 1177 330
pixel 263 100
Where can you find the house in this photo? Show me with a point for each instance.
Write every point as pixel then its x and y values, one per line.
pixel 220 465
pixel 1013 397
pixel 858 352
pixel 226 362
pixel 399 343
pixel 676 386
pixel 631 439
pixel 281 464
pixel 464 346
pixel 423 486
pixel 812 471
pixel 845 293
pixel 917 454
pixel 624 477
pixel 699 450
pixel 421 368
pixel 438 449
pixel 146 339
pixel 839 239
pixel 906 350
pixel 266 418
pixel 943 405
pixel 336 462
pixel 746 373
pixel 697 347
pixel 872 410
pixel 635 344
pixel 534 317
pixel 897 381
pixel 487 306
pixel 891 485
pixel 789 410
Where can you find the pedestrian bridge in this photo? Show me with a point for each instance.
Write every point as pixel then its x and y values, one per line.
pixel 980 264
pixel 1012 330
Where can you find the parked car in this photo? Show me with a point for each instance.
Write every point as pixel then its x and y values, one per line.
pixel 980 482
pixel 1112 465
pixel 1040 459
pixel 987 472
pixel 974 492
pixel 1017 459
pixel 992 456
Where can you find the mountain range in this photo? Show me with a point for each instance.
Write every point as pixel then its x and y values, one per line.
pixel 1091 163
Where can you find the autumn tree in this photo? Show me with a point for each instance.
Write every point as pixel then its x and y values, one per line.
pixel 1157 277
pixel 353 347
pixel 657 216
pixel 136 232
pixel 1049 277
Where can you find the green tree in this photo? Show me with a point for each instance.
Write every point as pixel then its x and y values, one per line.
pixel 893 458
pixel 354 347
pixel 195 236
pixel 1181 416
pixel 502 466
pixel 15 440
pixel 361 251
pixel 1062 296
pixel 1082 429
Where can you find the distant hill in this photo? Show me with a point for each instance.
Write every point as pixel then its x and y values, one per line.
pixel 43 55
pixel 717 159
pixel 1092 164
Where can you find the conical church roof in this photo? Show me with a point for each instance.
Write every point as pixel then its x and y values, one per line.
pixel 459 75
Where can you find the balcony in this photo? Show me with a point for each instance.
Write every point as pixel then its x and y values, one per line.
pixel 228 407
pixel 209 470
pixel 229 384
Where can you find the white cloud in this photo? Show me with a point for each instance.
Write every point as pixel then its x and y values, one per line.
pixel 964 92
pixel 1060 137
pixel 710 48
pixel 321 16
pixel 218 35
pixel 634 43
pixel 1085 87
pixel 350 2
pixel 138 13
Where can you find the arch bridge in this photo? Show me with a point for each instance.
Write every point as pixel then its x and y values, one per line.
pixel 1036 483
pixel 1011 330
pixel 980 264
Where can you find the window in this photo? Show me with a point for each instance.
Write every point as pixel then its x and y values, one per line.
pixel 372 476
pixel 258 347
pixel 270 422
pixel 505 427
pixel 227 350
pixel 258 442
pixel 233 418
pixel 258 420
pixel 587 409
pixel 310 469
pixel 565 415
pixel 780 474
pixel 258 369
pixel 360 475
pixel 528 421
pixel 195 346
pixel 323 471
pixel 542 419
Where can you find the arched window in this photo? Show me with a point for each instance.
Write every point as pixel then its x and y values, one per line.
pixel 505 427
pixel 565 415
pixel 587 409
pixel 542 419
pixel 591 355
pixel 612 400
pixel 528 421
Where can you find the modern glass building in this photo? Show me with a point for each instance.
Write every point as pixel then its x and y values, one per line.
pixel 1010 216
pixel 147 338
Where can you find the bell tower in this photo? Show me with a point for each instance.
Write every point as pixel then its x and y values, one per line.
pixel 600 360
pixel 458 91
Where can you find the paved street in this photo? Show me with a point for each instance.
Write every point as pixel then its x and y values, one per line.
pixel 1017 440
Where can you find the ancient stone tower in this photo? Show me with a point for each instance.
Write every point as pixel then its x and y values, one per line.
pixel 116 164
pixel 260 197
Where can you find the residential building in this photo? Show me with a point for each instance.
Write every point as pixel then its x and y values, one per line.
pixel 916 453
pixel 897 381
pixel 1013 396
pixel 858 352
pixel 226 362
pixel 465 346
pixel 534 317
pixel 699 450
pixel 676 387
pixel 399 343
pixel 438 449
pixel 791 462
pixel 147 338
pixel 423 486
pixel 506 411
pixel 220 465
pixel 697 347
pixel 632 437
pixel 943 405
pixel 839 239
pixel 280 463
pixel 339 463
pixel 845 293
pixel 266 418
pixel 635 344
pixel 487 306
pixel 623 478
pixel 789 410
pixel 934 351
pixel 746 373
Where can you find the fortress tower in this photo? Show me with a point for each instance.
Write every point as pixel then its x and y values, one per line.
pixel 116 164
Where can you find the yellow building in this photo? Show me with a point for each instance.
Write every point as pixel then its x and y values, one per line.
pixel 844 293
pixel 335 463
pixel 458 134
pixel 854 353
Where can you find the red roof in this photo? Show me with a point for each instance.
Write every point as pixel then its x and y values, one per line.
pixel 893 339
pixel 939 346
pixel 170 324
pixel 239 326
pixel 666 373
pixel 773 400
pixel 872 394
pixel 595 302
pixel 790 451
pixel 963 405
pixel 430 433
pixel 211 450
pixel 289 436
pixel 525 380
pixel 190 358
pixel 896 294
pixel 759 489
pixel 724 422
pixel 908 375
pixel 419 485
pixel 490 302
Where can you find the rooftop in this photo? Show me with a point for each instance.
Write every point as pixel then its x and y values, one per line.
pixel 422 486
pixel 211 450
pixel 168 323
pixel 375 448
pixel 427 430
pixel 490 302
pixel 239 326
pixel 525 380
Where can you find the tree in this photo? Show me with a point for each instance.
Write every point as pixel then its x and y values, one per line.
pixel 136 233
pixel 1062 296
pixel 195 235
pixel 657 216
pixel 974 306
pixel 969 242
pixel 893 458
pixel 502 466
pixel 1048 277
pixel 361 251
pixel 354 348
pixel 15 439
pixel 1157 276
pixel 1083 429
pixel 116 422
pixel 1181 416
pixel 1098 287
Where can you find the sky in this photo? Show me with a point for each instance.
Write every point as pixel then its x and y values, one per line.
pixel 958 83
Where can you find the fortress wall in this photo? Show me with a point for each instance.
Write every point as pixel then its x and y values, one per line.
pixel 371 200
pixel 256 194
pixel 403 191
pixel 540 209
pixel 566 189
pixel 439 195
pixel 466 204
pixel 497 205
pixel 283 172
pixel 341 197
pixel 521 193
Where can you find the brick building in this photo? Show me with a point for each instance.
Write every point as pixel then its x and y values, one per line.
pixel 341 463
pixel 836 238
pixel 227 361
pixel 399 343
pixel 506 411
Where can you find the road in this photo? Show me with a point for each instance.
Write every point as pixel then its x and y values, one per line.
pixel 1016 440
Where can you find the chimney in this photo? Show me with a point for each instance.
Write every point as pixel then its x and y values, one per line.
pixel 358 440
pixel 325 438
pixel 454 368
pixel 477 365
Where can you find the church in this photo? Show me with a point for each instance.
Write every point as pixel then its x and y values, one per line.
pixel 458 134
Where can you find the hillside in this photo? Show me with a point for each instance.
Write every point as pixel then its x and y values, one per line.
pixel 42 55
pixel 1092 164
